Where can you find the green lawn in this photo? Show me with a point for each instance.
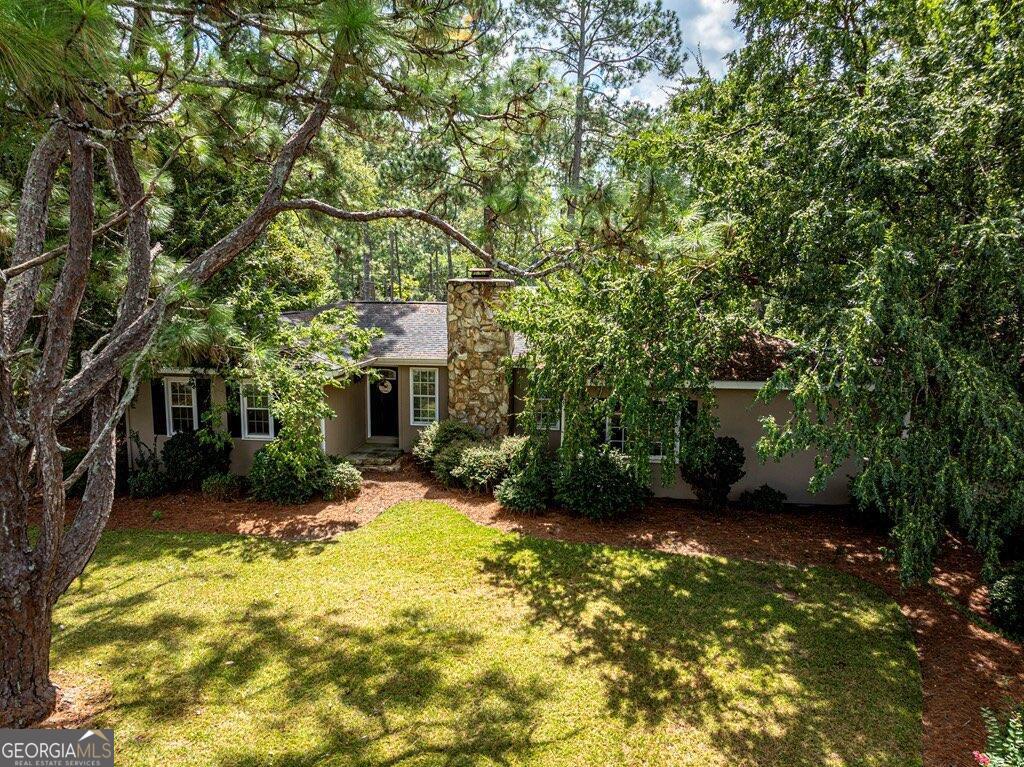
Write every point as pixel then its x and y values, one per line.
pixel 425 639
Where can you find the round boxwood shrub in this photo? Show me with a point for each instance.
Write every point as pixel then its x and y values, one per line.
pixel 599 484
pixel 438 436
pixel 342 482
pixel 224 487
pixel 188 459
pixel 482 466
pixel 765 499
pixel 286 474
pixel 712 480
pixel 1006 600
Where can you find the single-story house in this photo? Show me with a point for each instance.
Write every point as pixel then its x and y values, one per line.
pixel 437 360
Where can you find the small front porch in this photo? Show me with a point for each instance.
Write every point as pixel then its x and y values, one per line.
pixel 376 456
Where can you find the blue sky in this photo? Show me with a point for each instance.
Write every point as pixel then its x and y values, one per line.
pixel 707 27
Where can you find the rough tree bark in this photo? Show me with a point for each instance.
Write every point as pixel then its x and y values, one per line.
pixel 26 580
pixel 578 120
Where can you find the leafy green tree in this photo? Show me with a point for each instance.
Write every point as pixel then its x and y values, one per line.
pixel 631 337
pixel 869 153
pixel 601 46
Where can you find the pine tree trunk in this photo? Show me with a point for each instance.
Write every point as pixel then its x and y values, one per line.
pixel 576 164
pixel 26 695
pixel 368 292
pixel 398 261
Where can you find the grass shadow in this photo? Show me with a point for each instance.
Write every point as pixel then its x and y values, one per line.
pixel 781 665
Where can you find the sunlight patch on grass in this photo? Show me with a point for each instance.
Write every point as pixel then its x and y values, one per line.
pixel 425 639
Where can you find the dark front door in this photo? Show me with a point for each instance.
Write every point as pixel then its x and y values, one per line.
pixel 384 404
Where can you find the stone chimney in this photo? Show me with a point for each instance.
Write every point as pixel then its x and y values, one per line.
pixel 478 392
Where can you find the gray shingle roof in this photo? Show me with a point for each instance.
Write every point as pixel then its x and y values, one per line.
pixel 412 330
pixel 419 331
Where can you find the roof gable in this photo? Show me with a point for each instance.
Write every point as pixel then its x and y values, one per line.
pixel 411 330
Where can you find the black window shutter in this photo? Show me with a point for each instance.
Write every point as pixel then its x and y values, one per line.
pixel 156 388
pixel 203 399
pixel 277 425
pixel 234 414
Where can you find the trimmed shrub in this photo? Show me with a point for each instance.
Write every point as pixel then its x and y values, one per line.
pixel 188 459
pixel 1006 600
pixel 599 484
pixel 447 460
pixel 224 487
pixel 529 489
pixel 481 467
pixel 765 498
pixel 285 474
pixel 711 481
pixel 1005 742
pixel 438 436
pixel 148 482
pixel 343 481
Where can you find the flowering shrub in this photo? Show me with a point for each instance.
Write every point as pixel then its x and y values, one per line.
pixel 1005 741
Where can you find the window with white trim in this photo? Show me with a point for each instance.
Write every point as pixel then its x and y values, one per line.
pixel 423 395
pixel 182 408
pixel 548 417
pixel 615 432
pixel 257 419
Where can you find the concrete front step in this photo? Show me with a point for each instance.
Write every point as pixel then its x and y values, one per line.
pixel 375 457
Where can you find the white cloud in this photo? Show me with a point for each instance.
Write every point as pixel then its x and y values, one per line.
pixel 708 31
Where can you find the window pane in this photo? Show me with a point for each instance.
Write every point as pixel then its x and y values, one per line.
pixel 256 400
pixel 549 416
pixel 616 432
pixel 182 397
pixel 258 420
pixel 181 419
pixel 424 396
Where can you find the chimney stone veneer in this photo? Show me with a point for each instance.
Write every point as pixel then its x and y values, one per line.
pixel 478 393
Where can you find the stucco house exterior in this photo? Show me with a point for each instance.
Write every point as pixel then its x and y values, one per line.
pixel 438 360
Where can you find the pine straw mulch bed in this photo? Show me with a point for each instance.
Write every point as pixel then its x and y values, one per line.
pixel 964 665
